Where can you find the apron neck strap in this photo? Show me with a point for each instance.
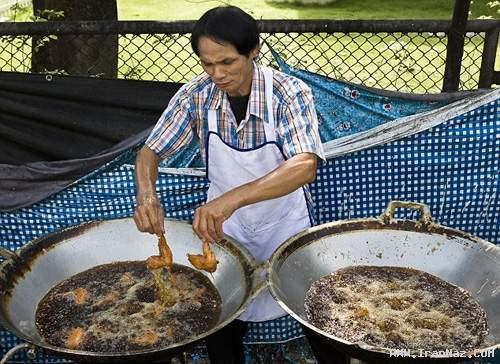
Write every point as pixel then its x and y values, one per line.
pixel 212 115
pixel 269 127
pixel 269 123
pixel 212 120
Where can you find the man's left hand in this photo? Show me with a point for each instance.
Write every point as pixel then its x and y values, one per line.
pixel 292 174
pixel 208 219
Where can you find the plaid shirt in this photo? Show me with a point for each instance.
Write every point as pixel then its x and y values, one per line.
pixel 187 113
pixel 186 117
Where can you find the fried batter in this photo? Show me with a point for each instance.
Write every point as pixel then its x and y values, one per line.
pixel 403 309
pixel 127 279
pixel 117 313
pixel 75 337
pixel 398 304
pixel 207 261
pixel 165 257
pixel 108 299
pixel 387 325
pixel 360 312
pixel 81 295
pixel 423 322
pixel 148 339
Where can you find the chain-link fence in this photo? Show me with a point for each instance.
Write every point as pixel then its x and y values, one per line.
pixel 396 55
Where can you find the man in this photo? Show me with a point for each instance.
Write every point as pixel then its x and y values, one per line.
pixel 258 135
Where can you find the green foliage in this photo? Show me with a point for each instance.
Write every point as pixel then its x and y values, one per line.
pixel 483 9
pixel 19 12
pixel 41 42
pixel 133 72
pixel 56 72
pixel 47 15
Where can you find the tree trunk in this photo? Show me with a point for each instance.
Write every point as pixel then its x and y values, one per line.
pixel 83 55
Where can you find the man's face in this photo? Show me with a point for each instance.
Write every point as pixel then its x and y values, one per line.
pixel 230 71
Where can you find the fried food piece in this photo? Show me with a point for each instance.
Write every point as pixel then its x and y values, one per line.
pixel 75 337
pixel 423 322
pixel 169 331
pixel 159 309
pixel 387 325
pixel 81 295
pixel 199 293
pixel 108 299
pixel 127 279
pixel 165 257
pixel 398 304
pixel 149 338
pixel 360 312
pixel 207 261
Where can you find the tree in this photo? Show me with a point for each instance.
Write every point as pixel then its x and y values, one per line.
pixel 85 55
pixel 485 9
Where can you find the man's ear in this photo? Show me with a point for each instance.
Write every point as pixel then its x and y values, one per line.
pixel 255 52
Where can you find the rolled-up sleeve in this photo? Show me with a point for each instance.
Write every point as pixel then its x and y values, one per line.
pixel 173 129
pixel 298 125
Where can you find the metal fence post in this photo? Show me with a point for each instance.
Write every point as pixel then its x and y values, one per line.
pixel 455 48
pixel 487 75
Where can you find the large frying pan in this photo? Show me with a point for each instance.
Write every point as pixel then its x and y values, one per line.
pixel 29 273
pixel 457 257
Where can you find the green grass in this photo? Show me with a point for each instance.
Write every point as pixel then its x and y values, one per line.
pixel 261 9
pixel 172 10
pixel 341 9
pixel 331 57
pixel 412 63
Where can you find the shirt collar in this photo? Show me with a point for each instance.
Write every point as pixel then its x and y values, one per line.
pixel 217 99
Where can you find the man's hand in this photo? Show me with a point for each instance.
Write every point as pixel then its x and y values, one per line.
pixel 148 215
pixel 292 174
pixel 208 219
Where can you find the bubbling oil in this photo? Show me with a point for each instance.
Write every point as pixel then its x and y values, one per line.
pixel 396 308
pixel 118 307
pixel 167 292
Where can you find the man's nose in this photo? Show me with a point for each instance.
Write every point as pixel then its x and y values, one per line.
pixel 218 73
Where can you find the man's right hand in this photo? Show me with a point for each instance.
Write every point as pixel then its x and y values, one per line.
pixel 148 215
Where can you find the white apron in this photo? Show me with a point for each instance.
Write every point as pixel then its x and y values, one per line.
pixel 263 226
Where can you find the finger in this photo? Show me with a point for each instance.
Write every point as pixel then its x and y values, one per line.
pixel 148 213
pixel 152 216
pixel 218 229
pixel 138 222
pixel 196 223
pixel 141 220
pixel 211 229
pixel 156 218
pixel 161 219
pixel 202 226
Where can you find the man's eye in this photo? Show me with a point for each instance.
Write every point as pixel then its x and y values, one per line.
pixel 227 61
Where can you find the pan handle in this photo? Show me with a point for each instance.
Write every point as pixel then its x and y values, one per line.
pixel 30 352
pixel 425 213
pixel 259 278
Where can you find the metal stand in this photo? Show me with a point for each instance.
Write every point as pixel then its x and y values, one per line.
pixel 31 353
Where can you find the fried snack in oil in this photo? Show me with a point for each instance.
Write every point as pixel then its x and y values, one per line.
pixel 81 295
pixel 165 257
pixel 206 261
pixel 75 337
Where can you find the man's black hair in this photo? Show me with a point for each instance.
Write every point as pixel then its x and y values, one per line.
pixel 227 24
